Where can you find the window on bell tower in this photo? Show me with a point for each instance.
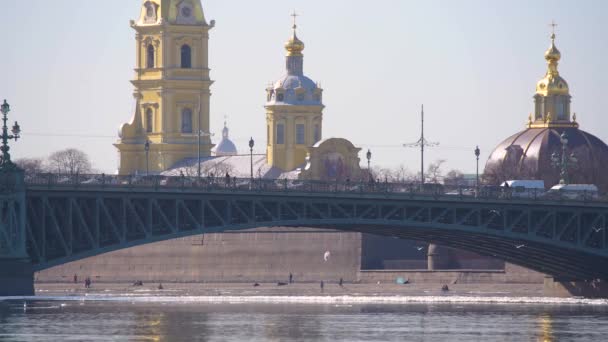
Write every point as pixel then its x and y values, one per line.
pixel 280 134
pixel 150 57
pixel 187 120
pixel 149 120
pixel 300 134
pixel 186 56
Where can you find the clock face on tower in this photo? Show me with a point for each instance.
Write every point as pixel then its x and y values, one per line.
pixel 186 12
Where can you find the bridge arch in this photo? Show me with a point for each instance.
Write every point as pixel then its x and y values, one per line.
pixel 65 225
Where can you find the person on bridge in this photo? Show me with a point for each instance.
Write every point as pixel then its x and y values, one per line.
pixel 290 278
pixel 227 179
pixel 322 285
pixel 75 279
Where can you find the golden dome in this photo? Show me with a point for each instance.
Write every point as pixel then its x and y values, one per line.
pixel 552 53
pixel 552 83
pixel 294 46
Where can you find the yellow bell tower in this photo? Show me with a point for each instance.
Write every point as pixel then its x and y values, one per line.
pixel 294 111
pixel 172 88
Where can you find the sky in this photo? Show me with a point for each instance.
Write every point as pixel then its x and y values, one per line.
pixel 65 68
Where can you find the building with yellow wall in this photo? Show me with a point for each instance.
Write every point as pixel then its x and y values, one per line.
pixel 294 112
pixel 172 87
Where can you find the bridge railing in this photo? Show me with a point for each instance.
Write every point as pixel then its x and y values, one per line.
pixel 186 183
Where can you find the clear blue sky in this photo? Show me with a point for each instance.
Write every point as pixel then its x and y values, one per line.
pixel 66 65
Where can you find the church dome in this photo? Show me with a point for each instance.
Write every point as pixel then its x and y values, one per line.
pixel 527 155
pixel 552 83
pixel 294 46
pixel 225 147
pixel 294 88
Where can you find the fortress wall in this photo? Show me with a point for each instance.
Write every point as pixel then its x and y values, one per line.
pixel 262 255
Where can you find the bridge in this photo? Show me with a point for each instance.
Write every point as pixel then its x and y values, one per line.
pixel 49 220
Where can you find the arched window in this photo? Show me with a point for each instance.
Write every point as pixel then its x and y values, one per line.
pixel 149 120
pixel 150 59
pixel 187 120
pixel 280 134
pixel 300 134
pixel 186 56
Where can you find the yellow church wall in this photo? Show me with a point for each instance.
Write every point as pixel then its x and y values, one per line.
pixel 167 89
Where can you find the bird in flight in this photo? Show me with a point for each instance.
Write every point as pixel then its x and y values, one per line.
pixel 495 212
pixel 419 248
pixel 520 246
pixel 597 230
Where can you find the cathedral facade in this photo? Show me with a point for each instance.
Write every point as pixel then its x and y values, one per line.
pixel 172 88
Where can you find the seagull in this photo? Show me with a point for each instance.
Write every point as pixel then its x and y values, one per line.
pixel 495 212
pixel 597 230
pixel 419 248
pixel 520 246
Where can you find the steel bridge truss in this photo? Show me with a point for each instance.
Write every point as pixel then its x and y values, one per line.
pixel 12 217
pixel 564 241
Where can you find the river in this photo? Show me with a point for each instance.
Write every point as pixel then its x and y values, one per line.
pixel 329 319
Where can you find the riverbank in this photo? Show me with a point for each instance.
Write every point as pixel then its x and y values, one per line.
pixel 289 290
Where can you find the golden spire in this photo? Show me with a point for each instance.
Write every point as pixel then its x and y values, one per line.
pixel 294 46
pixel 552 83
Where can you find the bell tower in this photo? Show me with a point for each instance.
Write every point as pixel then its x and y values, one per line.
pixel 294 111
pixel 172 87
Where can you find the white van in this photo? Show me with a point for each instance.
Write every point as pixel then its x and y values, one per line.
pixel 524 188
pixel 574 191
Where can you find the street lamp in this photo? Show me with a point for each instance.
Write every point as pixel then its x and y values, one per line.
pixel 369 158
pixel 251 144
pixel 565 161
pixel 477 153
pixel 6 163
pixel 147 149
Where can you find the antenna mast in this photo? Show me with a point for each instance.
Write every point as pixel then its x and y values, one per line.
pixel 422 143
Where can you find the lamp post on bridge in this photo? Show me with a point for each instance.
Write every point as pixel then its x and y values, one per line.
pixel 147 149
pixel 477 153
pixel 6 163
pixel 564 162
pixel 369 170
pixel 251 144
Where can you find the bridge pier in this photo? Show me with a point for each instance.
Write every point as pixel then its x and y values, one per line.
pixel 16 270
pixel 16 277
pixel 575 288
pixel 438 258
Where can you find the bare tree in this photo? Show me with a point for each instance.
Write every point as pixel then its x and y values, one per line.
pixel 434 173
pixel 402 174
pixel 70 161
pixel 31 166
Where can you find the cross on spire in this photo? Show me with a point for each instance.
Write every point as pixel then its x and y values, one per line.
pixel 553 26
pixel 295 17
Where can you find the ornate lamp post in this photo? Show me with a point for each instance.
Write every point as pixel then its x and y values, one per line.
pixel 477 153
pixel 251 144
pixel 369 158
pixel 147 149
pixel 565 161
pixel 6 163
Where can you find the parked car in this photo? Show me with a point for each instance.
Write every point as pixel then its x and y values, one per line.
pixel 573 192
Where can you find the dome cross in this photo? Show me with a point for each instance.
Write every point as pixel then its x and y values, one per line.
pixel 553 26
pixel 295 16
